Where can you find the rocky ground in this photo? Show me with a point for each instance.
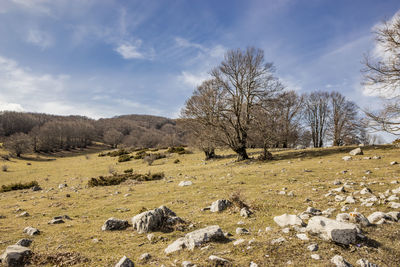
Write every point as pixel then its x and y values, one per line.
pixel 312 207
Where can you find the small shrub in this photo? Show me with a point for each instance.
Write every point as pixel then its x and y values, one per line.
pixel 128 170
pixel 176 161
pixel 102 154
pixel 150 158
pixel 124 158
pixel 237 199
pixel 87 157
pixel 117 153
pixel 18 186
pixel 141 154
pixel 4 168
pixel 5 157
pixel 117 179
pixel 179 150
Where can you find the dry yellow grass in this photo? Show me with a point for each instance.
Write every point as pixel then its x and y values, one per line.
pixel 257 182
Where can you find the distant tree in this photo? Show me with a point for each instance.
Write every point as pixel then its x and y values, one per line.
pixel 344 124
pixel 382 75
pixel 113 137
pixel 316 115
pixel 18 144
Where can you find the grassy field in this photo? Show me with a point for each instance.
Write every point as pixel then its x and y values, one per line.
pixel 308 173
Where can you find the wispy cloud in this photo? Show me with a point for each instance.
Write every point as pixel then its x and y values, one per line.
pixel 129 51
pixel 193 80
pixel 40 38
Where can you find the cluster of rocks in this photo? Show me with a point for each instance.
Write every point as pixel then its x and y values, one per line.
pixel 18 254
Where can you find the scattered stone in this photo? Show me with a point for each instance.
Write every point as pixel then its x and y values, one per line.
pixel 377 216
pixel 188 264
pixel 278 240
pixel 291 194
pixel 31 231
pixel 245 212
pixel 220 205
pixel 396 191
pixel 185 183
pixel 286 230
pixel 303 237
pixel 24 242
pixel 350 200
pixel 394 205
pixel 367 158
pixel 238 242
pixel 339 198
pixel 150 237
pixel 315 256
pixel 328 212
pixel 113 224
pixel 36 188
pixel 23 214
pixel 358 218
pixel 313 211
pixel 56 221
pixel 242 231
pixel 145 257
pixel 365 190
pixel 394 163
pixel 356 151
pixel 267 229
pixel 196 239
pixel 337 182
pixel 394 215
pixel 125 262
pixel 376 157
pixel 218 261
pixel 313 247
pixel 155 220
pixel 15 256
pixel 61 186
pixel 328 229
pixel 340 262
pixel 339 190
pixel 393 198
pixel 288 220
pixel 366 263
pixel 253 264
pixel 347 158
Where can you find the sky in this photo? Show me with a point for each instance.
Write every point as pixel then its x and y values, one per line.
pixel 102 58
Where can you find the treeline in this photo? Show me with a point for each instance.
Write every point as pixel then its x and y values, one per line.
pixel 245 105
pixel 24 132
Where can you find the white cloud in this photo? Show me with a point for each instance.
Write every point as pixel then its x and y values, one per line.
pixel 39 38
pixel 193 80
pixel 129 51
pixel 35 6
pixel 10 106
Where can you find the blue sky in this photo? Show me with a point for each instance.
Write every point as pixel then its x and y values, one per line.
pixel 102 58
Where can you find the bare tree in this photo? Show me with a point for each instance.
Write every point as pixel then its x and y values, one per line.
pixel 344 122
pixel 18 144
pixel 382 75
pixel 316 115
pixel 113 137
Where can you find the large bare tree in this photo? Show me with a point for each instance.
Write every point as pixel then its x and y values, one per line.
pixel 382 75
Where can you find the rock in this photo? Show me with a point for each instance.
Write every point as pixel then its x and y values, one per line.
pixel 145 257
pixel 303 237
pixel 366 263
pixel 376 157
pixel 396 191
pixel 242 231
pixel 61 186
pixel 196 239
pixel 268 228
pixel 337 182
pixel 342 217
pixel 36 188
pixel 150 237
pixel 340 262
pixel 393 198
pixel 253 264
pixel 24 242
pixel 16 256
pixel 313 247
pixel 328 212
pixel 288 220
pixel 339 190
pixel 394 205
pixel 358 218
pixel 286 230
pixel 367 158
pixel 155 220
pixel 365 190
pixel 188 264
pixel 394 215
pixel 31 231
pixel 313 211
pixel 356 151
pixel 125 262
pixel 23 214
pixel 339 198
pixel 328 229
pixel 56 221
pixel 350 200
pixel 278 240
pixel 238 242
pixel 220 205
pixel 394 163
pixel 347 158
pixel 315 256
pixel 245 212
pixel 218 261
pixel 113 224
pixel 377 216
pixel 185 183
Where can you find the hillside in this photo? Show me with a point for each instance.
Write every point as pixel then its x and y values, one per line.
pixel 291 183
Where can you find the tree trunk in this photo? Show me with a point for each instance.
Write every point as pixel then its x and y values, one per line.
pixel 242 153
pixel 210 153
pixel 266 155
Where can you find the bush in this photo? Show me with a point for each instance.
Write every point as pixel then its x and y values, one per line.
pixel 18 186
pixel 176 161
pixel 4 168
pixel 179 150
pixel 124 158
pixel 128 170
pixel 141 154
pixel 117 153
pixel 150 158
pixel 117 179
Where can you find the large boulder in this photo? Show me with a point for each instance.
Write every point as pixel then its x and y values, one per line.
pixel 16 255
pixel 113 224
pixel 196 239
pixel 155 220
pixel 356 151
pixel 220 205
pixel 288 220
pixel 328 229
